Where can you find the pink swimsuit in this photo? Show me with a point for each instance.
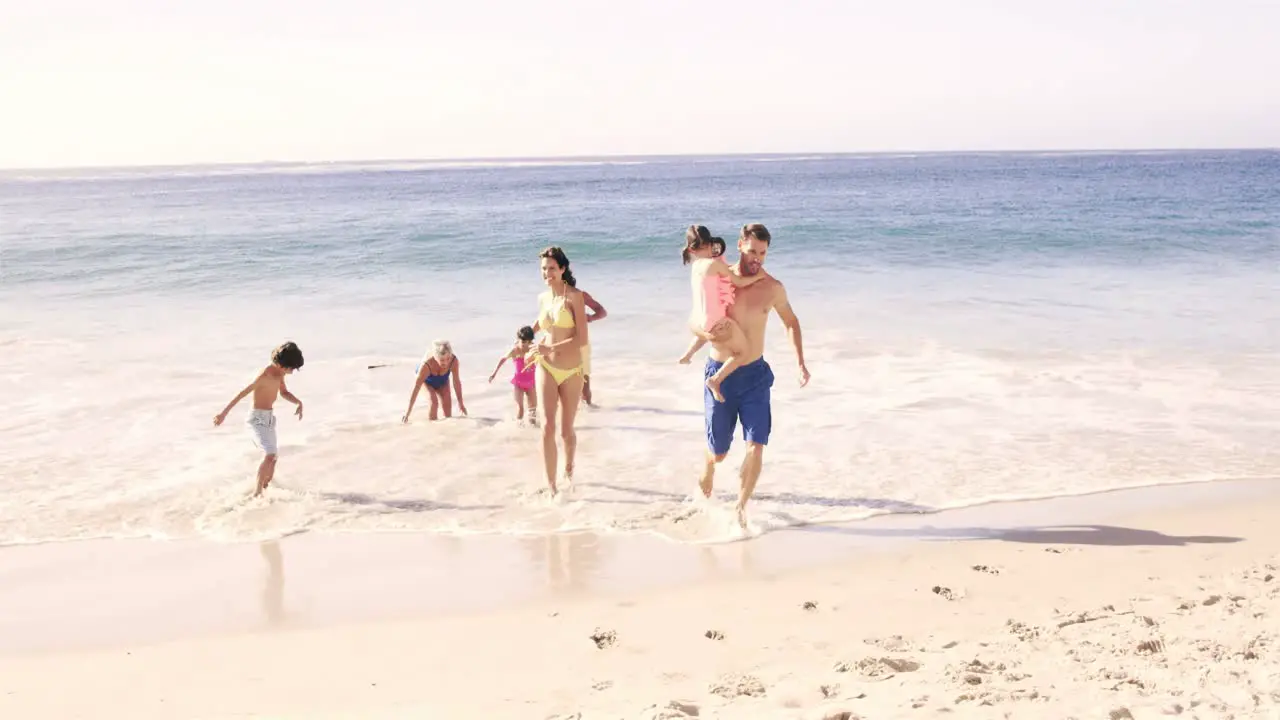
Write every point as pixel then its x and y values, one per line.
pixel 524 375
pixel 712 295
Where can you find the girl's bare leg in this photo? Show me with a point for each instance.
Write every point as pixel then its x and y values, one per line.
pixel 531 399
pixel 548 398
pixel 729 336
pixel 519 398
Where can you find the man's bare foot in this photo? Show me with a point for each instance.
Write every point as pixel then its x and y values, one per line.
pixel 714 386
pixel 704 484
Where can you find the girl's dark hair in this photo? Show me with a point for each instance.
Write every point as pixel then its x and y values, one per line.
pixel 525 333
pixel 696 238
pixel 720 246
pixel 557 254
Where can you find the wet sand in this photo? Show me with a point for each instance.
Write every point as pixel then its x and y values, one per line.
pixel 1138 602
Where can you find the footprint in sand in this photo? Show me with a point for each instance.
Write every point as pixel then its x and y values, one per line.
pixel 986 569
pixel 879 668
pixel 836 715
pixel 892 643
pixel 604 638
pixel 1104 613
pixel 975 672
pixel 734 684
pixel 947 593
pixel 990 699
pixel 1150 647
pixel 674 710
pixel 1022 631
pixel 714 635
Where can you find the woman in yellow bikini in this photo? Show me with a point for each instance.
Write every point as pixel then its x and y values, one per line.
pixel 562 318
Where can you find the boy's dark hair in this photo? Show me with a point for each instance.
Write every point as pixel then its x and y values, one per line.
pixel 287 356
pixel 525 333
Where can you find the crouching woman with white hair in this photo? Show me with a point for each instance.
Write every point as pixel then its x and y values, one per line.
pixel 435 371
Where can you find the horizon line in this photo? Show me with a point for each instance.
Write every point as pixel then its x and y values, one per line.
pixel 621 157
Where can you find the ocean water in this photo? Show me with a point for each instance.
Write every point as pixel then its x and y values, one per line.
pixel 979 327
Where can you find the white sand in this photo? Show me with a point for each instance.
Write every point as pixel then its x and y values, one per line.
pixel 1149 616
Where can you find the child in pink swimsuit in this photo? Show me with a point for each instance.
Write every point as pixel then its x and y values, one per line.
pixel 713 285
pixel 523 380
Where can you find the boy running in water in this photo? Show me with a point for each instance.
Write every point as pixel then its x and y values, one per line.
pixel 261 421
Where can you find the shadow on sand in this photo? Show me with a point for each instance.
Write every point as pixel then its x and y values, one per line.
pixel 400 505
pixel 654 411
pixel 1101 535
pixel 892 506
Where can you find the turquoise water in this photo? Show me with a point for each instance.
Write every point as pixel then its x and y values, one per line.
pixel 978 326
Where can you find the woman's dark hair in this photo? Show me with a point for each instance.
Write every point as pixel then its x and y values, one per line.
pixel 696 238
pixel 525 333
pixel 557 254
pixel 287 356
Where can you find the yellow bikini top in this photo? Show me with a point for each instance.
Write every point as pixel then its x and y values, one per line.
pixel 554 311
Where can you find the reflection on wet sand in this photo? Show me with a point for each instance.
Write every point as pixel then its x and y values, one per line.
pixel 717 561
pixel 570 561
pixel 273 590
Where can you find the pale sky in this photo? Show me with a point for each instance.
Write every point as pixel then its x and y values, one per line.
pixel 130 82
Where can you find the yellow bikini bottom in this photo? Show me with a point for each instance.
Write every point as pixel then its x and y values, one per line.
pixel 557 374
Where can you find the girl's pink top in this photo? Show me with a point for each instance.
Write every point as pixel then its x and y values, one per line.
pixel 712 294
pixel 523 377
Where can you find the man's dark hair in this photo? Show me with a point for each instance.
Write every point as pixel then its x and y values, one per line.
pixel 287 356
pixel 757 231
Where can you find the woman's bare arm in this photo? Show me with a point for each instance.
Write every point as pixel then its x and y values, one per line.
pixel 720 269
pixel 417 385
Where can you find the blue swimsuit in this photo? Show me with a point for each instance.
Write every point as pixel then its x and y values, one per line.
pixel 438 381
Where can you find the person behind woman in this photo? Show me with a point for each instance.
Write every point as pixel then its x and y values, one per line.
pixel 434 372
pixel 525 376
pixel 562 317
pixel 597 313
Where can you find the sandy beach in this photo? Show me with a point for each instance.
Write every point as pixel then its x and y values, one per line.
pixel 1165 611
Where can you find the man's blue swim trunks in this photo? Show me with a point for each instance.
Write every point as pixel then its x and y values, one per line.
pixel 746 397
